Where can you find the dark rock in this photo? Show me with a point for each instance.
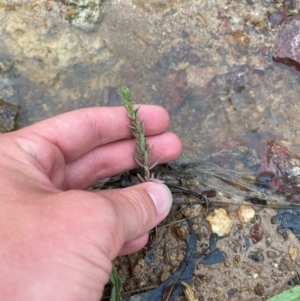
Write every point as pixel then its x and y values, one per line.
pixel 8 116
pixel 256 256
pixel 246 243
pixel 256 233
pixel 272 254
pixel 286 264
pixel 287 50
pixel 288 219
pixel 232 292
pixel 275 19
pixel 295 281
pixel 259 289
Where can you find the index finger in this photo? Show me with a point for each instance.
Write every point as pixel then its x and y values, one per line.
pixel 76 133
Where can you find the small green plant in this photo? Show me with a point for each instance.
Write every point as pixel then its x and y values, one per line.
pixel 143 154
pixel 117 285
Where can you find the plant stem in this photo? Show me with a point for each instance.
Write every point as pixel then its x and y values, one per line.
pixel 143 154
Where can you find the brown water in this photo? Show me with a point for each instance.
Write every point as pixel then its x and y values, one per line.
pixel 208 62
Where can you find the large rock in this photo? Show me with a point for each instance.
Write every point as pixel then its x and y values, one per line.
pixel 287 50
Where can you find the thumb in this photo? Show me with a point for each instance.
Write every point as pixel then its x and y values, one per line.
pixel 138 209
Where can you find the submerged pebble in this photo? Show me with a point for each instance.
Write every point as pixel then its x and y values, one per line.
pixel 293 252
pixel 256 233
pixel 246 213
pixel 231 292
pixel 219 222
pixel 288 219
pixel 259 289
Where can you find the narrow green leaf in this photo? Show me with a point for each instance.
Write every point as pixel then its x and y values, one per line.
pixel 292 294
pixel 117 285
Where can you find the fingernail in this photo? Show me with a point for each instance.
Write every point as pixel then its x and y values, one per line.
pixel 161 197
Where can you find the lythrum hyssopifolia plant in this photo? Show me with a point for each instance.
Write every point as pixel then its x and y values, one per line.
pixel 143 158
pixel 143 154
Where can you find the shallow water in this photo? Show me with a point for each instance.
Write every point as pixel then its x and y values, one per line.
pixel 208 62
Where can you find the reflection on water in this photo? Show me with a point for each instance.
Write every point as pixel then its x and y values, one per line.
pixel 209 63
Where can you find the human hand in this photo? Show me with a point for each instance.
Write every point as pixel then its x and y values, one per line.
pixel 57 240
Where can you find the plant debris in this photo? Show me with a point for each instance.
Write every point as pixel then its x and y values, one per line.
pixel 173 286
pixel 288 219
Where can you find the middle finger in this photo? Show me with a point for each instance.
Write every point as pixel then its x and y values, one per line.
pixel 115 158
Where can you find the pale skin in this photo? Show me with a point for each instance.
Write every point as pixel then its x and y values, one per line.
pixel 57 240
